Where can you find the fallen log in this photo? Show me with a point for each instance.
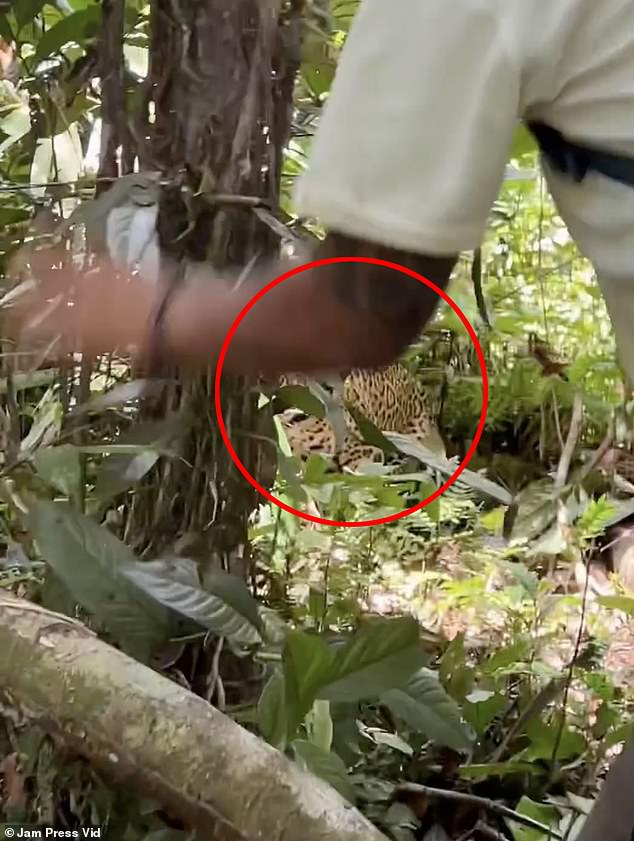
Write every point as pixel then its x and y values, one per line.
pixel 147 732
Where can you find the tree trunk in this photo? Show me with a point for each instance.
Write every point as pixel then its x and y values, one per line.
pixel 216 116
pixel 218 110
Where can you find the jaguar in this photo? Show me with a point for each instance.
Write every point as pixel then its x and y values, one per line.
pixel 390 398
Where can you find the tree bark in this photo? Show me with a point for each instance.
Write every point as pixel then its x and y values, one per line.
pixel 153 735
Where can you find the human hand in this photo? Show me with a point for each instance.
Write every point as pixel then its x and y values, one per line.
pixel 91 311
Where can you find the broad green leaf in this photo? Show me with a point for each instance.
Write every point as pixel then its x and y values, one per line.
pixel 318 68
pixel 623 603
pixel 60 468
pixel 89 560
pixel 390 740
pixel 307 663
pixel 271 714
pixel 425 706
pixel 235 593
pixel 73 27
pixel 480 713
pixel 381 654
pixel 536 510
pixel 55 594
pixel 523 142
pixel 118 473
pixel 319 725
pixel 370 433
pixel 15 123
pixel 26 10
pixel 299 397
pixel 326 765
pixel 507 656
pixel 225 606
pixel 121 394
pixel 135 454
pixel 618 735
pixel 522 574
pixel 47 423
pixel 544 737
pixel 6 31
pixel 317 598
pixel 315 470
pixel 546 814
pixel 408 445
pixel 622 510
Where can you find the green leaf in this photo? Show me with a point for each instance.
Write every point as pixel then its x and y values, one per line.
pixel 74 27
pixel 47 422
pixel 523 142
pixel 425 706
pixel 307 661
pixel 370 433
pixel 454 673
pixel 382 654
pixel 26 10
pixel 299 397
pixel 89 560
pixel 406 444
pixel 271 714
pixel 60 468
pixel 225 606
pixel 317 598
pixel 118 473
pixel 15 123
pixel 319 725
pixel 546 814
pixel 391 740
pixel 544 737
pixel 480 713
pixel 315 470
pixel 5 28
pixel 522 574
pixel 623 603
pixel 326 765
pixel 135 454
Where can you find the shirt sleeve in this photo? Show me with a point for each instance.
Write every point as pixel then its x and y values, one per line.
pixel 415 135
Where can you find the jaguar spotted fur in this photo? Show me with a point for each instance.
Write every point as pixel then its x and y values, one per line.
pixel 390 398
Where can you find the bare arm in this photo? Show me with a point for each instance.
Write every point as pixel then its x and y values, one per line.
pixel 335 317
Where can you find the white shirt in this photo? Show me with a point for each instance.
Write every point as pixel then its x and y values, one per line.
pixel 416 133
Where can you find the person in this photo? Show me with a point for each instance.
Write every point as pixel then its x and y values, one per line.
pixel 408 158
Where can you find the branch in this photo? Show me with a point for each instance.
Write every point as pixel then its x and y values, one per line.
pixel 154 736
pixel 483 803
pixel 571 442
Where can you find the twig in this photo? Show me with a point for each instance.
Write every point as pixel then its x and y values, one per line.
pixel 234 198
pixel 482 803
pixel 539 703
pixel 604 446
pixel 279 228
pixel 571 442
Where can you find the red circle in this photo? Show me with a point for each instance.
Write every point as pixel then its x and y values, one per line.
pixel 362 523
